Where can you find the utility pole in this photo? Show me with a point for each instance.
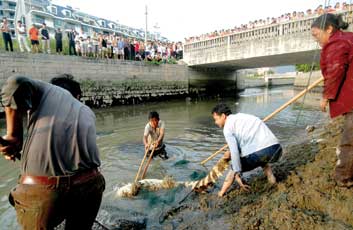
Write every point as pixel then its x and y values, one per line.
pixel 146 28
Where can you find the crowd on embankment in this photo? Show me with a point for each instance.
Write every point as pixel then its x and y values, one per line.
pixel 96 45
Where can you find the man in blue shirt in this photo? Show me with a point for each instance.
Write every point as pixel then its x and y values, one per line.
pixel 251 144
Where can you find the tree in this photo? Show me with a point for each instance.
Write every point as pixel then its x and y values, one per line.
pixel 307 67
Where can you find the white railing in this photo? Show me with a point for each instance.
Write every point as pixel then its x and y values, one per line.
pixel 260 33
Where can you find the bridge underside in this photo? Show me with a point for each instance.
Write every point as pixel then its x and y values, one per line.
pixel 305 57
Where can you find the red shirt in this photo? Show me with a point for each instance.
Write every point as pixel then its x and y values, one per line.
pixel 337 68
pixel 137 47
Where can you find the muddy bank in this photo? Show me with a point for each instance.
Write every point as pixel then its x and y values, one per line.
pixel 306 196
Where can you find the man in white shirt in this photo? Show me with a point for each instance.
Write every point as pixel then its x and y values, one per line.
pixel 251 144
pixel 154 134
pixel 22 37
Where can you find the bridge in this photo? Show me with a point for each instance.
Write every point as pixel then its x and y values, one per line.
pixel 286 43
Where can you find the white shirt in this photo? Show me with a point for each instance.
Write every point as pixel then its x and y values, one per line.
pixel 21 30
pixel 153 134
pixel 246 134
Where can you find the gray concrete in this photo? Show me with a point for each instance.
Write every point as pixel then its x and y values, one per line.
pixel 244 81
pixel 303 80
pixel 114 82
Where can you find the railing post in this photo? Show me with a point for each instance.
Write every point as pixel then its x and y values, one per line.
pixel 228 47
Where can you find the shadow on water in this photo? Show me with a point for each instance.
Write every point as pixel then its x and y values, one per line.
pixel 191 136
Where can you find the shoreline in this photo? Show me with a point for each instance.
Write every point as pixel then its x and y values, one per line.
pixel 305 197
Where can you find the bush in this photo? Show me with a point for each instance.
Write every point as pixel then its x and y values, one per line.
pixel 306 67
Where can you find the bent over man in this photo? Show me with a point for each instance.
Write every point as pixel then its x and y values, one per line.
pixel 251 144
pixel 60 159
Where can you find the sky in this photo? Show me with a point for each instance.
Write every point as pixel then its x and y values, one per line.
pixel 179 19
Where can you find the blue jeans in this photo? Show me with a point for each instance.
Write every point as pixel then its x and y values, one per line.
pixel 261 158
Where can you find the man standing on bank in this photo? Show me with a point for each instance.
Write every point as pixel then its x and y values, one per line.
pixel 22 37
pixel 154 134
pixel 6 34
pixel 336 64
pixel 251 144
pixel 60 159
pixel 59 41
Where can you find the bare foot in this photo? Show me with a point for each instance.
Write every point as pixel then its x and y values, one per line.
pixel 270 177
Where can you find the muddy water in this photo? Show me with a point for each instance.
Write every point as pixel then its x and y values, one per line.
pixel 191 136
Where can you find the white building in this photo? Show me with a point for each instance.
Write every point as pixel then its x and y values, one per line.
pixel 65 17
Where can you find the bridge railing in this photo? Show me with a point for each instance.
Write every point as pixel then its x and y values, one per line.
pixel 264 32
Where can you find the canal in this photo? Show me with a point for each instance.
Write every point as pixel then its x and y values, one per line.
pixel 191 136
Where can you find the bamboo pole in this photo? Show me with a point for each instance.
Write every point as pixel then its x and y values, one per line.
pixel 143 160
pixel 148 163
pixel 294 99
pixel 214 154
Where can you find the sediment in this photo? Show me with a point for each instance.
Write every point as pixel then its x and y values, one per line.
pixel 305 197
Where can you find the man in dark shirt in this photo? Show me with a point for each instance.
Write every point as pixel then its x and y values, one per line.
pixel 71 35
pixel 45 39
pixel 60 159
pixel 59 41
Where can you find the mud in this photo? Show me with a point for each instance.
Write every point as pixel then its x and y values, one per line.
pixel 305 197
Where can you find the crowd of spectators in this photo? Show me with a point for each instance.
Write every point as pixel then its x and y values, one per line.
pixel 338 7
pixel 96 45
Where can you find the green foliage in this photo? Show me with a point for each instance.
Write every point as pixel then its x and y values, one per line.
pixel 154 62
pixel 255 75
pixel 306 67
pixel 88 84
pixel 270 72
pixel 172 61
pixel 14 42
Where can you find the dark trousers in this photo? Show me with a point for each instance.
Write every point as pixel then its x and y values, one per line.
pixel 344 166
pixel 159 151
pixel 126 53
pixel 59 46
pixel 261 158
pixel 7 41
pixel 42 207
pixel 72 46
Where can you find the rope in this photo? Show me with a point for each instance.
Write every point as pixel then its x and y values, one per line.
pixel 327 3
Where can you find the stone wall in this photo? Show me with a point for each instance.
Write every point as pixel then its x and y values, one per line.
pixel 281 81
pixel 104 82
pixel 302 79
pixel 211 82
pixel 114 82
pixel 244 82
pixel 249 82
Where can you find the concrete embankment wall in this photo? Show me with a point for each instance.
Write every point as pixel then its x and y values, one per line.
pixel 244 82
pixel 305 79
pixel 299 80
pixel 115 82
pixel 211 82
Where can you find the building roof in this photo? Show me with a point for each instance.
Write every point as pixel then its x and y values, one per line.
pixel 90 20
